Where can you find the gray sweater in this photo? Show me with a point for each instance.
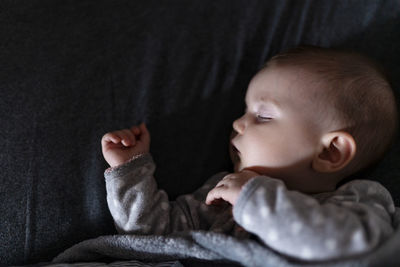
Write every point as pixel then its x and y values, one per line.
pixel 354 219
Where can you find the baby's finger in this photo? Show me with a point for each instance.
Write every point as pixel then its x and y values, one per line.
pixel 221 183
pixel 110 137
pixel 214 195
pixel 230 176
pixel 128 138
pixel 122 137
pixel 135 130
pixel 145 134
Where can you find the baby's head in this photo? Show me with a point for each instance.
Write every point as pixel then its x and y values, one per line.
pixel 315 116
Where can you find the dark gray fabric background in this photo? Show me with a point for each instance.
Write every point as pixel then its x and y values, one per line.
pixel 72 70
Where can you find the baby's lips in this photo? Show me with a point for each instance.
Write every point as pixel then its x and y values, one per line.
pixel 234 148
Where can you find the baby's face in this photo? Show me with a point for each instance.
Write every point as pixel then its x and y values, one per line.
pixel 277 135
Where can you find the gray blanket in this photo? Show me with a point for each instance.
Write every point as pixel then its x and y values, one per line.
pixel 204 245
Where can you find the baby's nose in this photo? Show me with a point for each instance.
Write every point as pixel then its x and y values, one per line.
pixel 239 125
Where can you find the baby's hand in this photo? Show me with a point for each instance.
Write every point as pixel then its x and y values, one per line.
pixel 229 187
pixel 120 146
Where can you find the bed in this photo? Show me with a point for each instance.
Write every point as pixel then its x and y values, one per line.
pixel 74 70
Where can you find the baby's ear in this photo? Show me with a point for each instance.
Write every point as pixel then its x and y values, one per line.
pixel 336 151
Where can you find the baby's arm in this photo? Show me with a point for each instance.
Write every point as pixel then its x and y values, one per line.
pixel 133 199
pixel 297 225
pixel 132 193
pixel 137 206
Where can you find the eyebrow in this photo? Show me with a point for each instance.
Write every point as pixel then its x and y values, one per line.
pixel 266 101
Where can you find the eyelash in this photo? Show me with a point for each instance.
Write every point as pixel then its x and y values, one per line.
pixel 262 118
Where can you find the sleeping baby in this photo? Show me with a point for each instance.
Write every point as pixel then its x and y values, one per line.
pixel 314 116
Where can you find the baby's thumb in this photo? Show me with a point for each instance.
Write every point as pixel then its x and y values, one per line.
pixel 145 134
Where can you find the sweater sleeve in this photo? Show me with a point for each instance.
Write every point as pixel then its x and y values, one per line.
pixel 353 220
pixel 133 199
pixel 139 207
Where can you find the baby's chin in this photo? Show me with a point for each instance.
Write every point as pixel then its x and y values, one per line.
pixel 237 167
pixel 235 160
pixel 261 170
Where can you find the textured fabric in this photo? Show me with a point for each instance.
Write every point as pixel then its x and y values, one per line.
pixel 128 263
pixel 208 245
pixel 355 219
pixel 138 207
pixel 72 70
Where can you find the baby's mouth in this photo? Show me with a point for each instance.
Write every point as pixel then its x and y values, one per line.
pixel 235 157
pixel 235 150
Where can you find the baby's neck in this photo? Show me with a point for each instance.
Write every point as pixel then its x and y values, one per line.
pixel 312 184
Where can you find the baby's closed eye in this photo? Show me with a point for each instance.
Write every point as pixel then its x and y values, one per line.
pixel 263 117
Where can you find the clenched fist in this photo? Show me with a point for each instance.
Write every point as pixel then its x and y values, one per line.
pixel 120 146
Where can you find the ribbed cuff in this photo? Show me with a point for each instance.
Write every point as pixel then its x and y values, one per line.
pixel 124 168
